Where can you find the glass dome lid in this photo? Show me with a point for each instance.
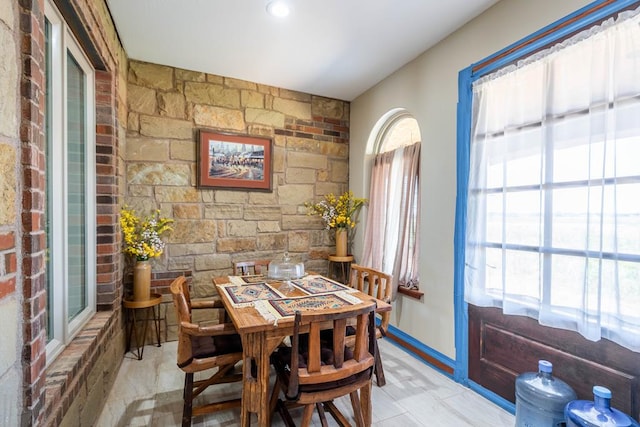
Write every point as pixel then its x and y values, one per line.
pixel 285 269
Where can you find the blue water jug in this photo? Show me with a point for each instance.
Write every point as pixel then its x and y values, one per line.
pixel 599 413
pixel 541 398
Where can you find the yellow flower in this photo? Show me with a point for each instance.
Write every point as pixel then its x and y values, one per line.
pixel 142 235
pixel 337 212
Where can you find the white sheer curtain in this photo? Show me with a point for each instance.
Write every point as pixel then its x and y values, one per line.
pixel 392 217
pixel 553 218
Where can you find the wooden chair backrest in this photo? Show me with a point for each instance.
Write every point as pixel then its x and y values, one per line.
pixel 363 350
pixel 245 268
pixel 183 313
pixel 374 283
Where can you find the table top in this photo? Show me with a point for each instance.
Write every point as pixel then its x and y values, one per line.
pixel 248 319
pixel 154 299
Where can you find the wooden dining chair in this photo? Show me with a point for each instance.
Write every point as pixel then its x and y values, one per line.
pixel 314 374
pixel 245 268
pixel 378 285
pixel 203 347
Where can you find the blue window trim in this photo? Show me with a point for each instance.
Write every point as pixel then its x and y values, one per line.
pixel 563 27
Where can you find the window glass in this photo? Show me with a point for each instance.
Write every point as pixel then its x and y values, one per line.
pixel 70 184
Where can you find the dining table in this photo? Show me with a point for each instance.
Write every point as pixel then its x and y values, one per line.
pixel 262 311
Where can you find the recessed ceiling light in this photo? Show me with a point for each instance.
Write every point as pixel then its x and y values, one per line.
pixel 278 8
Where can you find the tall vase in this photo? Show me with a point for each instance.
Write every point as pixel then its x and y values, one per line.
pixel 341 242
pixel 142 281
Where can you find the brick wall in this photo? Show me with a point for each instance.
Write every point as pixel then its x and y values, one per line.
pixel 214 227
pixel 32 217
pixel 71 388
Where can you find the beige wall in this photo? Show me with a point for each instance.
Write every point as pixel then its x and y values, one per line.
pixel 427 88
pixel 10 287
pixel 215 227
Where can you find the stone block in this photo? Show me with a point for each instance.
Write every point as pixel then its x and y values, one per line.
pixel 229 197
pixel 300 176
pixel 172 104
pixel 263 198
pixel 323 188
pixel 189 249
pixel 297 159
pixel 278 159
pixel 182 150
pixel 249 98
pixel 339 170
pixel 272 242
pixel 187 211
pixel 7 184
pixel 262 213
pixel 133 123
pixel 141 99
pixel 213 262
pixel 193 76
pixel 218 117
pixel 265 117
pixel 269 227
pixel 145 191
pixel 299 241
pixel 304 144
pixel 301 222
pixel 177 195
pixel 212 94
pixel 239 84
pixel 237 228
pixel 295 194
pixel 163 127
pixel 218 211
pixel 193 231
pixel 147 149
pixel 214 78
pixel 334 149
pixel 330 108
pixel 292 94
pixel 151 75
pixel 235 245
pixel 159 174
pixel 180 264
pixel 9 72
pixel 289 107
pixel 322 176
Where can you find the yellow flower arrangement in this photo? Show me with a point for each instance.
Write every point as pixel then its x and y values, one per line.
pixel 142 235
pixel 337 212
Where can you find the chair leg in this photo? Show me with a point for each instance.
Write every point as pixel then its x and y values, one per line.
pixel 357 408
pixel 188 400
pixel 380 380
pixel 284 413
pixel 306 415
pixel 337 415
pixel 323 418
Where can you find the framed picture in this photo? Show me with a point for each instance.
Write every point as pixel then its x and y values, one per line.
pixel 234 161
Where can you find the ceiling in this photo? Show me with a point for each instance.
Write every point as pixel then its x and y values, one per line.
pixel 333 48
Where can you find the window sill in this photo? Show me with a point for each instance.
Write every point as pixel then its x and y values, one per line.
pixel 68 376
pixel 413 293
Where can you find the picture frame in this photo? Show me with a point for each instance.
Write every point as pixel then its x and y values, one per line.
pixel 233 161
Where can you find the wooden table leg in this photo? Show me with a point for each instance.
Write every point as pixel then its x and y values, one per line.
pixel 255 386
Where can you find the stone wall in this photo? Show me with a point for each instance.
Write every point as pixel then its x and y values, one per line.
pixel 214 227
pixel 10 286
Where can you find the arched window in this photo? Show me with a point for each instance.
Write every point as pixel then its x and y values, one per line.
pixel 390 241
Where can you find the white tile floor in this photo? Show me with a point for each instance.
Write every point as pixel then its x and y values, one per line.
pixel 149 393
